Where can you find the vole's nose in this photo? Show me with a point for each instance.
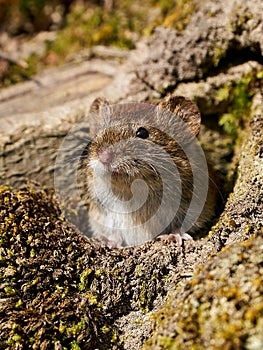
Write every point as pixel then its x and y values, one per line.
pixel 106 156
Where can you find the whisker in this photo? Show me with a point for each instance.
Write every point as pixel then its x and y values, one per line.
pixel 71 160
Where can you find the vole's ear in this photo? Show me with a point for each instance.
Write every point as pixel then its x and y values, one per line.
pixel 98 104
pixel 185 109
pixel 98 113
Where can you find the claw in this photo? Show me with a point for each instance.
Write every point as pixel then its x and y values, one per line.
pixel 177 237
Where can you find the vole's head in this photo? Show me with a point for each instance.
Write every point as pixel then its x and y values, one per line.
pixel 137 140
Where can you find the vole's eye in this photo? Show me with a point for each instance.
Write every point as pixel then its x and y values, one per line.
pixel 142 133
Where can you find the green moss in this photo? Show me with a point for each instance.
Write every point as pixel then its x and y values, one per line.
pixel 9 291
pixel 83 277
pixel 76 328
pixel 19 304
pixel 16 338
pixel 144 302
pixel 75 346
pixel 223 93
pixel 239 96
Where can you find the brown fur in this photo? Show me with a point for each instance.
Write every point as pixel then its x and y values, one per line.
pixel 115 131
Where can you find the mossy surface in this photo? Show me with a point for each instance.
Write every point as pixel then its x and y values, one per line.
pixel 61 290
pixel 239 96
pixel 42 282
pixel 220 308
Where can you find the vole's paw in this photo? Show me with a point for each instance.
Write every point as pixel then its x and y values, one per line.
pixel 177 237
